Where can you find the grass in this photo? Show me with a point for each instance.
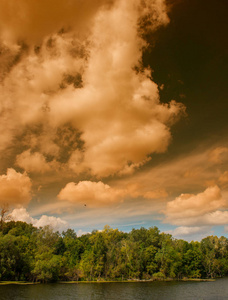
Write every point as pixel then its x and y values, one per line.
pixel 17 282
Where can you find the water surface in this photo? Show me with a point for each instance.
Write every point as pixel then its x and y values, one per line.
pixel 174 290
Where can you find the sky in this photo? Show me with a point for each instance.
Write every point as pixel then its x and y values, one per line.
pixel 114 112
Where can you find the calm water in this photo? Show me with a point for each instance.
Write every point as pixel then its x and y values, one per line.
pixel 217 290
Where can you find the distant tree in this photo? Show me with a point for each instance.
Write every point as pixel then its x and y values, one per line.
pixel 70 233
pixel 4 215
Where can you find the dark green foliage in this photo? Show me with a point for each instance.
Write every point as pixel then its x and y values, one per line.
pixel 29 253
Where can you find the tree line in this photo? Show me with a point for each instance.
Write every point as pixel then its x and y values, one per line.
pixel 42 255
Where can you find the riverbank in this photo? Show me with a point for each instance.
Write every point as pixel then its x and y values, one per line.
pixel 105 281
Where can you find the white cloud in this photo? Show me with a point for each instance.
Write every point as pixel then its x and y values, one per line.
pixel 184 230
pixel 191 233
pixel 56 223
pixel 81 232
pixel 21 214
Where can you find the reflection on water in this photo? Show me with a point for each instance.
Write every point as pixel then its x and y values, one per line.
pixel 216 290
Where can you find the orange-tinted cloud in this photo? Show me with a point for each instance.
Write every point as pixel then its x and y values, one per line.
pixel 119 113
pixel 204 208
pixel 223 179
pixel 15 188
pixel 186 173
pixel 218 154
pixel 33 20
pixel 190 205
pixel 91 84
pixel 32 162
pixel 97 194
pixel 90 193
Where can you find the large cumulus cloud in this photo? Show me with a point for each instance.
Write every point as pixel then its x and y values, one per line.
pixel 95 85
pixel 92 85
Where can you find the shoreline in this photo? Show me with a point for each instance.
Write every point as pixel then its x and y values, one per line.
pixel 106 281
pixel 137 280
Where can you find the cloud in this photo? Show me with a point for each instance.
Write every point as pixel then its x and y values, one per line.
pixel 56 223
pixel 96 194
pixel 205 208
pixel 191 233
pixel 138 190
pixel 190 205
pixel 223 179
pixel 185 231
pixel 118 112
pixel 218 155
pixel 90 193
pixel 192 171
pixel 81 232
pixel 91 84
pixel 32 162
pixel 214 218
pixel 155 194
pixel 153 14
pixel 32 20
pixel 15 188
pixel 21 214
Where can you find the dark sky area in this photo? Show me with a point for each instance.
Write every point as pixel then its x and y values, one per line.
pixel 190 58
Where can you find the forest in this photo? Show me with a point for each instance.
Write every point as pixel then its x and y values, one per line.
pixel 41 255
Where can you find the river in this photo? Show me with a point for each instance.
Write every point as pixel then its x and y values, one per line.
pixel 173 290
